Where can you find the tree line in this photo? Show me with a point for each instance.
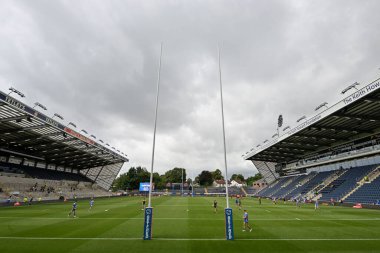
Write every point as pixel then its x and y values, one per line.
pixel 135 175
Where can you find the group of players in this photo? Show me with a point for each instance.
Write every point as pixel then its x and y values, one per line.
pixel 246 225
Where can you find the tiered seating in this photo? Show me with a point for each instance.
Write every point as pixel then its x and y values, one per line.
pixel 285 190
pixel 41 173
pixel 250 190
pixel 332 186
pixel 345 183
pixel 299 186
pixel 235 191
pixel 46 189
pixel 273 188
pixel 54 175
pixel 215 190
pixel 369 193
pixel 199 190
pixel 318 179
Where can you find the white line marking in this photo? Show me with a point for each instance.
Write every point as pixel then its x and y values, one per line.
pixel 178 218
pixel 268 211
pixel 185 239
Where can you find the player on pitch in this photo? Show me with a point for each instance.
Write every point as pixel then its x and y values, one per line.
pixel 245 219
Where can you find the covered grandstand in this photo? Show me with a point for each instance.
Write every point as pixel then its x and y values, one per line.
pixel 34 145
pixel 334 154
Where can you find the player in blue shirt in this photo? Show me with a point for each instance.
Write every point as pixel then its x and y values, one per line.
pixel 73 210
pixel 316 204
pixel 91 204
pixel 245 219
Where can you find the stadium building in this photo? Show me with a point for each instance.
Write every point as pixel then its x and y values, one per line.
pixel 38 154
pixel 333 155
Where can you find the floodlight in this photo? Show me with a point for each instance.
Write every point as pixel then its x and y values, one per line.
pixel 58 116
pixel 13 90
pixel 321 105
pixel 84 131
pixel 352 86
pixel 40 105
pixel 286 128
pixel 302 118
pixel 72 124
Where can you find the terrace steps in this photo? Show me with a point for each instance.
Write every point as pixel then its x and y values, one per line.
pixel 325 183
pixel 267 187
pixel 373 174
pixel 288 182
pixel 306 179
pixel 371 177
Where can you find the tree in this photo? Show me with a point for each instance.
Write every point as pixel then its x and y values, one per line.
pixel 205 178
pixel 159 181
pixel 175 175
pixel 256 177
pixel 217 175
pixel 237 177
pixel 132 179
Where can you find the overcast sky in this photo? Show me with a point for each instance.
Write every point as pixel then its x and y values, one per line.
pixel 95 63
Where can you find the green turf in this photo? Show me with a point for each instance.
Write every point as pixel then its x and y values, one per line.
pixel 184 224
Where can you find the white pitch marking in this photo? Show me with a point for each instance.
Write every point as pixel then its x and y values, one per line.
pixel 268 211
pixel 179 218
pixel 185 239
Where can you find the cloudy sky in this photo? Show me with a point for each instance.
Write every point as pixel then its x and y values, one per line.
pixel 95 63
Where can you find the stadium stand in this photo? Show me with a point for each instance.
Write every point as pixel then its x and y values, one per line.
pixel 368 193
pixel 345 180
pixel 199 190
pixel 26 171
pixel 338 188
pixel 35 148
pixel 275 187
pixel 299 186
pixel 250 190
pixel 286 189
pixel 332 154
pixel 232 191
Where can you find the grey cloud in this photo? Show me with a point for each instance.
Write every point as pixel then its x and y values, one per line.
pixel 96 63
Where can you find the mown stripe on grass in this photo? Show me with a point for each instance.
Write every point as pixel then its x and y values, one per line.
pixel 177 218
pixel 185 239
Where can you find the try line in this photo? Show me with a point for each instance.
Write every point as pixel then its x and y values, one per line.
pixel 184 239
pixel 178 218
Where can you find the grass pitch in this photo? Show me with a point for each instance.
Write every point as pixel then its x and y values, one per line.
pixel 185 224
